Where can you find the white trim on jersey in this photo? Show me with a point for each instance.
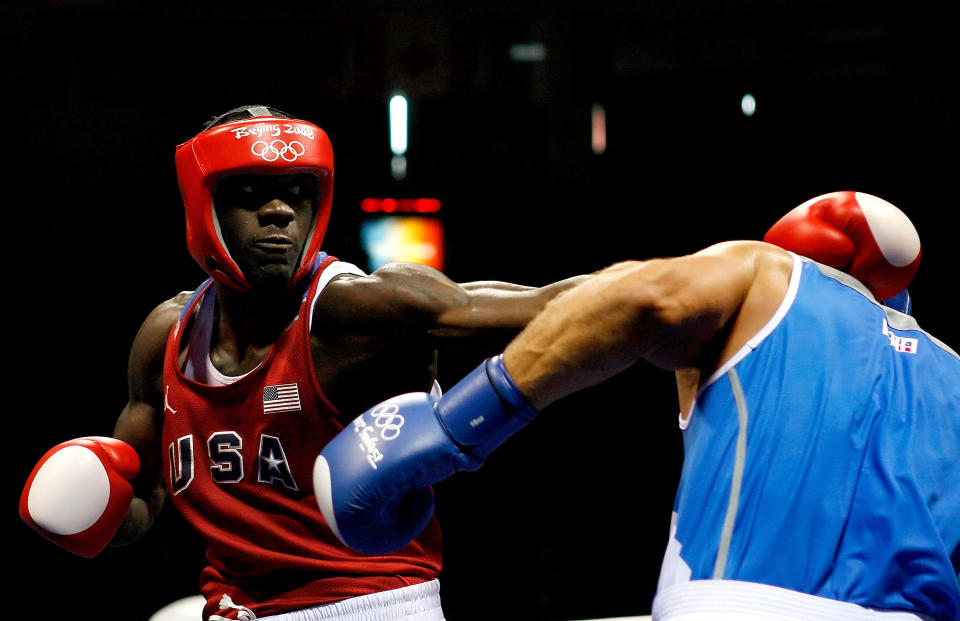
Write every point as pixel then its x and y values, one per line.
pixel 756 339
pixel 200 368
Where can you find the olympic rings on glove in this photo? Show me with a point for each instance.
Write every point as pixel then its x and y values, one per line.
pixel 388 419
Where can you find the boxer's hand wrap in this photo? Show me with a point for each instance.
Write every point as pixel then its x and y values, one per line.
pixel 372 481
pixel 857 233
pixel 79 492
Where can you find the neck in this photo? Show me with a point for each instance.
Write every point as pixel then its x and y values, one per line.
pixel 247 323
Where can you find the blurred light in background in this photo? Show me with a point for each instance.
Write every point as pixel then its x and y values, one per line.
pixel 415 239
pixel 528 52
pixel 748 104
pixel 398 166
pixel 398 124
pixel 392 205
pixel 598 124
pixel 398 136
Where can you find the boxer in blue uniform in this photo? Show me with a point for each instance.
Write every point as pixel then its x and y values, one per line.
pixel 821 476
pixel 822 458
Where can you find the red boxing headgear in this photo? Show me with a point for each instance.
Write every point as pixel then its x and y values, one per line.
pixel 265 145
pixel 858 233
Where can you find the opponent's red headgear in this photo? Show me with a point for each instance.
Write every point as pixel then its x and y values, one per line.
pixel 857 233
pixel 258 145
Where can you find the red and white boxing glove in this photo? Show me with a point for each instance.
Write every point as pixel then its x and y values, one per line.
pixel 857 233
pixel 79 492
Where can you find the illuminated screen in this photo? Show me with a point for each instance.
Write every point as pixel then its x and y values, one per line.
pixel 413 239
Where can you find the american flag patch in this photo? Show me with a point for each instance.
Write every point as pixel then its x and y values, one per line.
pixel 281 398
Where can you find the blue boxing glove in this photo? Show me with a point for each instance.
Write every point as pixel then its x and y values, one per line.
pixel 372 481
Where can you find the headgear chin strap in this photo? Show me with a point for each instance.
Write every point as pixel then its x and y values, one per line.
pixel 266 145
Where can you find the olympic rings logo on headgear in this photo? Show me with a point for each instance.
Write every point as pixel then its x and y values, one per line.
pixel 270 152
pixel 387 418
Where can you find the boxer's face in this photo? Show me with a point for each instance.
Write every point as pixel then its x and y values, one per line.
pixel 264 221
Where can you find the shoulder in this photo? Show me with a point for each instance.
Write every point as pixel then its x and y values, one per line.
pixel 772 269
pixel 763 269
pixel 768 270
pixel 163 317
pixel 145 366
pixel 756 253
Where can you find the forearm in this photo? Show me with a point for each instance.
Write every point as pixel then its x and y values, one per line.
pixel 139 426
pixel 140 517
pixel 498 308
pixel 581 338
pixel 546 292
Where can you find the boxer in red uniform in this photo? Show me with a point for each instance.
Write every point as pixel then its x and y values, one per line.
pixel 236 386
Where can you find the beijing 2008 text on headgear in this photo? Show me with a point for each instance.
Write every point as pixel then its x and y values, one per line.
pixel 258 145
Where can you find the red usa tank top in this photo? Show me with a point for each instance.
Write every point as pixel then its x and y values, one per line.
pixel 238 462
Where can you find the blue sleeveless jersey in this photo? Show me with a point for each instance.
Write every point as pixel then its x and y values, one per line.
pixel 825 457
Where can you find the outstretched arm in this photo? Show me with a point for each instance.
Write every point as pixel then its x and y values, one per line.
pixel 417 298
pixel 691 311
pixel 493 304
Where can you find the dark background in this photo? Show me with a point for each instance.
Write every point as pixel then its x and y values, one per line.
pixel 569 519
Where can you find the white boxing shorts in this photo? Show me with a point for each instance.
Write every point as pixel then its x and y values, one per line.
pixel 418 602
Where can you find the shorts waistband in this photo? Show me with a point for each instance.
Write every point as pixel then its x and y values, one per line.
pixel 417 602
pixel 734 600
